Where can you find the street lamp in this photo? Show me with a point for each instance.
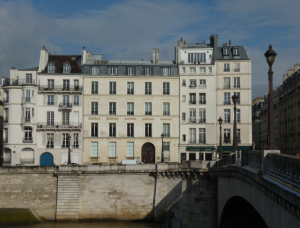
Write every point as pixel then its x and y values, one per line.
pixel 234 144
pixel 162 148
pixel 220 144
pixel 270 57
pixel 69 154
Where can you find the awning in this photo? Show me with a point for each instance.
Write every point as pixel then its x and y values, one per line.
pixel 197 148
pixel 228 149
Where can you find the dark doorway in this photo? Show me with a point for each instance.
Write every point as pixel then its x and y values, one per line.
pixel 148 153
pixel 208 156
pixel 192 156
pixel 238 212
pixel 183 157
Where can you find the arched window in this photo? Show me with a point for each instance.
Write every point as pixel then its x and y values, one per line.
pixel 66 68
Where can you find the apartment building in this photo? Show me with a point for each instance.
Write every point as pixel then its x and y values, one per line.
pixel 257 104
pixel 42 107
pixel 233 75
pixel 197 102
pixel 127 107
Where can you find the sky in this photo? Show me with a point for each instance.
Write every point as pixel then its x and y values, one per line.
pixel 128 30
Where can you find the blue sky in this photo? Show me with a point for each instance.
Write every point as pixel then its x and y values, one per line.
pixel 130 29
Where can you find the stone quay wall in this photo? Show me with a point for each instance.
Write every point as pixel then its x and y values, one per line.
pixel 122 192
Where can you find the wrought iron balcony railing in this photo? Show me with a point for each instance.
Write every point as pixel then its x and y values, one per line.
pixel 65 105
pixel 18 82
pixel 192 102
pixel 202 141
pixel 49 88
pixel 226 141
pixel 192 141
pixel 202 101
pixel 59 125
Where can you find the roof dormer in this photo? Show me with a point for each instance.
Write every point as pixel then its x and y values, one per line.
pixel 51 67
pixel 236 51
pixel 66 68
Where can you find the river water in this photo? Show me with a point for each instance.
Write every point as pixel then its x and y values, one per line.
pixel 106 224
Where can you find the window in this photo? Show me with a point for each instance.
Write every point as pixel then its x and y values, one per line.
pixel 76 84
pixel 165 71
pixel 202 113
pixel 236 67
pixel 50 84
pixel 66 68
pixel 50 100
pixel 94 108
pixel 32 112
pixel 76 140
pixel 130 108
pixel 95 70
pixel 148 88
pixel 130 130
pixel 202 98
pixel 28 135
pixel 50 140
pixel 236 51
pixel 112 130
pixel 50 118
pixel 183 82
pixel 112 70
pixel 28 78
pixel 226 115
pixel 130 71
pixel 166 88
pixel 166 109
pixel 192 115
pixel 27 115
pixel 226 83
pixel 112 87
pixel 94 129
pixel 203 58
pixel 51 68
pixel 226 67
pixel 210 70
pixel 183 70
pixel 166 149
pixel 191 57
pixel 148 109
pixel 227 136
pixel 238 116
pixel 94 149
pixel 130 149
pixel 202 138
pixel 148 130
pixel 192 69
pixel 183 116
pixel 239 100
pixel 112 149
pixel 225 51
pixel 183 98
pixel 193 84
pixel 65 140
pixel 147 71
pixel 192 98
pixel 183 138
pixel 166 130
pixel 226 98
pixel 130 88
pixel 202 83
pixel 112 108
pixel 66 118
pixel 66 100
pixel 236 84
pixel 192 136
pixel 66 84
pixel 76 100
pixel 202 69
pixel 94 87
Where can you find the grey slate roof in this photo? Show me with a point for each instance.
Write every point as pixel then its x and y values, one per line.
pixel 219 53
pixel 30 69
pixel 136 62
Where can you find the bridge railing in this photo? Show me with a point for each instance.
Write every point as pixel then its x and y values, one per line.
pixel 252 158
pixel 285 166
pixel 226 161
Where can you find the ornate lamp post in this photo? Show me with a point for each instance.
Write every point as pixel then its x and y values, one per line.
pixel 69 154
pixel 270 57
pixel 234 144
pixel 162 148
pixel 220 144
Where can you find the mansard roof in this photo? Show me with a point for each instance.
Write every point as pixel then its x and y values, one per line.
pixel 219 53
pixel 59 61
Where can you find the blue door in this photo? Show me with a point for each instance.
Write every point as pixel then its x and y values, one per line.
pixel 46 159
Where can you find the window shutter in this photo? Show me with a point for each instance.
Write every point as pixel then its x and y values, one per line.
pixel 57 139
pixel 55 99
pixel 44 138
pixel 80 100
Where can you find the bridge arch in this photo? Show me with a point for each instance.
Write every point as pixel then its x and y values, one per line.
pixel 238 212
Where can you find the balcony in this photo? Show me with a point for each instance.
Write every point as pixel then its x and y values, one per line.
pixel 192 102
pixel 18 82
pixel 202 101
pixel 58 125
pixel 65 106
pixel 227 102
pixel 28 99
pixel 192 141
pixel 28 140
pixel 25 161
pixel 226 86
pixel 5 140
pixel 6 161
pixel 202 120
pixel 46 88
pixel 226 141
pixel 27 120
pixel 193 86
pixel 193 120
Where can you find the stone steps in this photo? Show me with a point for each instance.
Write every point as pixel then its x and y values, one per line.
pixel 67 198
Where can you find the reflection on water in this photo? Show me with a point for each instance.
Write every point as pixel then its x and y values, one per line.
pixel 94 225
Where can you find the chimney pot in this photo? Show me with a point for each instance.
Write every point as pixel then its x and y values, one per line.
pixel 44 47
pixel 13 68
pixel 83 48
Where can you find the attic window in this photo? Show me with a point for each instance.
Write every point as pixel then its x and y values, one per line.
pixel 51 68
pixel 225 51
pixel 236 51
pixel 66 68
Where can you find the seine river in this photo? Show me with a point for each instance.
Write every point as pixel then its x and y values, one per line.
pixel 94 225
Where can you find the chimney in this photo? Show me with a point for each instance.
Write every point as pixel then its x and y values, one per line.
pixel 297 67
pixel 44 48
pixel 211 39
pixel 13 68
pixel 229 43
pixel 217 40
pixel 290 72
pixel 153 55
pixel 83 48
pixel 156 56
pixel 180 42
